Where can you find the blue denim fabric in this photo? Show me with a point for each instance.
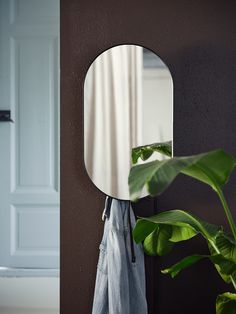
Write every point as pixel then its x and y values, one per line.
pixel 120 282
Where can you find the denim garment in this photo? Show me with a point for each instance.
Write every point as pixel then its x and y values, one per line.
pixel 120 282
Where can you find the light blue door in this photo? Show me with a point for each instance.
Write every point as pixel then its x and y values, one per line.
pixel 29 152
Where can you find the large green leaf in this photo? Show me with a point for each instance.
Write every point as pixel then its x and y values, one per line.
pixel 227 278
pixel 226 246
pixel 177 225
pixel 212 168
pixel 144 152
pixel 184 226
pixel 226 303
pixel 184 263
pixel 144 227
pixel 226 267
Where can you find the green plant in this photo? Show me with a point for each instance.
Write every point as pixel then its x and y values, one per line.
pixel 161 232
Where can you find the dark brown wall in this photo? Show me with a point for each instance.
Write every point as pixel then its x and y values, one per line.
pixel 197 40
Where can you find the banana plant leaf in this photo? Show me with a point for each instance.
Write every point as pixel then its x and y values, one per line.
pixel 144 152
pixel 160 232
pixel 226 246
pixel 184 226
pixel 226 303
pixel 224 252
pixel 184 263
pixel 212 168
pixel 227 267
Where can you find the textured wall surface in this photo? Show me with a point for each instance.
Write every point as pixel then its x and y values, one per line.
pixel 197 41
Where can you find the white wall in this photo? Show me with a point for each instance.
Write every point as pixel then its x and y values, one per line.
pixel 29 295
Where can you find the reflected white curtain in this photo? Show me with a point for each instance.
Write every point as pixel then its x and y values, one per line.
pixel 112 116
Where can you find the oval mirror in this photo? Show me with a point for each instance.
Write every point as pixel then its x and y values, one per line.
pixel 128 102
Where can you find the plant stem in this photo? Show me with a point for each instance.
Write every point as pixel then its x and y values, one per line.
pixel 227 212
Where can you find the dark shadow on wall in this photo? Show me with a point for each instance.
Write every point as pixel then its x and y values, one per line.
pixel 204 119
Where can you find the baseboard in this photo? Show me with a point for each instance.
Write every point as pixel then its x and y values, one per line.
pixel 6 310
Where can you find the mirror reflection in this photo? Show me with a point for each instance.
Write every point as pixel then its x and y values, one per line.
pixel 29 158
pixel 128 102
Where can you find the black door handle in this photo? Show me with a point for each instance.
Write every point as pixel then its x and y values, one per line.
pixel 5 116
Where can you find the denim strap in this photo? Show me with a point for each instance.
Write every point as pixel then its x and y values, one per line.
pixel 133 258
pixel 106 212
